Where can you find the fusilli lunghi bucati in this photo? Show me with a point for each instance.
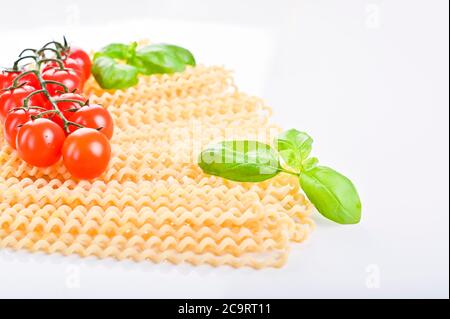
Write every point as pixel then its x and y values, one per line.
pixel 154 203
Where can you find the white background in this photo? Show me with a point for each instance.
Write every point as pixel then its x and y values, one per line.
pixel 367 79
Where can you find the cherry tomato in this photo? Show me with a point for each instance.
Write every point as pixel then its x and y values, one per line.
pixel 39 142
pixel 68 77
pixel 66 107
pixel 86 153
pixel 14 120
pixel 31 80
pixel 83 59
pixel 68 63
pixel 7 78
pixel 96 117
pixel 76 66
pixel 11 99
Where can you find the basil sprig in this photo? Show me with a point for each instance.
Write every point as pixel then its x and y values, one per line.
pixel 117 66
pixel 333 194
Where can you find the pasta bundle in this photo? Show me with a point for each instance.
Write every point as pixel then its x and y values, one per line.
pixel 154 203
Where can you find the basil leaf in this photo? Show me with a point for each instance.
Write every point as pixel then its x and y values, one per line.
pixel 182 54
pixel 333 194
pixel 113 75
pixel 294 147
pixel 118 51
pixel 117 65
pixel 310 163
pixel 162 58
pixel 240 161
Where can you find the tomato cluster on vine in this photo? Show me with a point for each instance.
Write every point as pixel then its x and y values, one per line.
pixel 46 117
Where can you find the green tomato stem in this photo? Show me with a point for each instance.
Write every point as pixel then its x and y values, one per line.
pixel 16 80
pixel 56 44
pixel 53 102
pixel 59 47
pixel 45 60
pixel 57 53
pixel 16 63
pixel 81 103
pixel 66 90
pixel 26 101
pixel 26 50
pixel 40 115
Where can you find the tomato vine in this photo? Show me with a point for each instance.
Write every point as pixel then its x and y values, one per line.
pixel 45 116
pixel 39 59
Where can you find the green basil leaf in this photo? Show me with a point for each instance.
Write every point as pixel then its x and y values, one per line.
pixel 240 161
pixel 294 147
pixel 310 163
pixel 162 58
pixel 113 75
pixel 333 194
pixel 118 51
pixel 181 53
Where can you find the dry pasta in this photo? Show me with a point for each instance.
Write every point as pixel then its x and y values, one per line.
pixel 154 203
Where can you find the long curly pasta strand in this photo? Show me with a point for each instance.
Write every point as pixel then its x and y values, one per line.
pixel 154 203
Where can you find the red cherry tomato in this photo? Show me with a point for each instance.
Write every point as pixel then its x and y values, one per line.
pixel 96 117
pixel 67 107
pixel 14 120
pixel 68 77
pixel 31 80
pixel 69 64
pixel 11 99
pixel 39 142
pixel 83 59
pixel 7 78
pixel 76 66
pixel 86 153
